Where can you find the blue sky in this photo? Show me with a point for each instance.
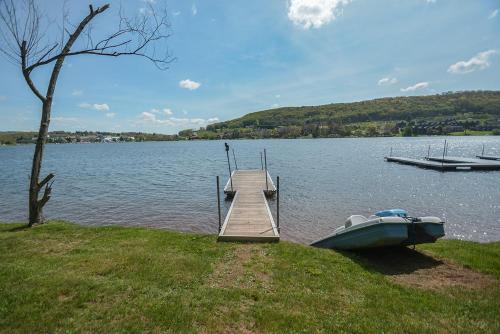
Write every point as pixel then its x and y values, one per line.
pixel 235 57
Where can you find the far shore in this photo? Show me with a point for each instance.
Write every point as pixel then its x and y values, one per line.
pixel 453 134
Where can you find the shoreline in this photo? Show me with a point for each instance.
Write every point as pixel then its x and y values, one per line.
pixel 452 135
pixel 207 234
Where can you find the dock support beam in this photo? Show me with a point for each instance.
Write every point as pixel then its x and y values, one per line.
pixel 444 152
pixel 218 203
pixel 265 163
pixel 261 163
pixel 229 165
pixel 235 163
pixel 278 204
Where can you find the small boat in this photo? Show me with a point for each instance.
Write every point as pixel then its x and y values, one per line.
pixel 386 228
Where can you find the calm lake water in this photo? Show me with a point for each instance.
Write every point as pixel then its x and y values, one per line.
pixel 172 184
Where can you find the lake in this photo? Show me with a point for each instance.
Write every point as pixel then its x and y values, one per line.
pixel 323 181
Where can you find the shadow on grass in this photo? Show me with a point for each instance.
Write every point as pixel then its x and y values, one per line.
pixel 18 228
pixel 393 260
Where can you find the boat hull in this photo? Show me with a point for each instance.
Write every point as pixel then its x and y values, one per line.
pixel 376 235
pixel 424 232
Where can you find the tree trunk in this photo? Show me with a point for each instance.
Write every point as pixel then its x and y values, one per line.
pixel 36 205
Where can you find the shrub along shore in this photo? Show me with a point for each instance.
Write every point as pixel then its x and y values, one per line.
pixel 62 277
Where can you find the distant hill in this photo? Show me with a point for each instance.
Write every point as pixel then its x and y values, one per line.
pixel 413 115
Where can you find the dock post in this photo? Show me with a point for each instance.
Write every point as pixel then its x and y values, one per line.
pixel 229 165
pixel 444 152
pixel 390 154
pixel 428 151
pixel 234 157
pixel 482 153
pixel 218 202
pixel 261 163
pixel 265 164
pixel 278 203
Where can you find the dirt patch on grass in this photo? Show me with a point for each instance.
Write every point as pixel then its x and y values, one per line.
pixel 239 327
pixel 445 275
pixel 418 269
pixel 244 266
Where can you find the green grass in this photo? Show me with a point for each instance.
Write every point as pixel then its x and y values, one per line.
pixel 62 277
pixel 478 256
pixel 472 133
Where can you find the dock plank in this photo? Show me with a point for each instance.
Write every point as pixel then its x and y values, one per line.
pixel 249 217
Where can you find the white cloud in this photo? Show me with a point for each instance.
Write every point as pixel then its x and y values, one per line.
pixel 77 92
pixel 150 2
pixel 101 107
pixel 64 120
pixel 147 116
pixel 493 14
pixel 110 114
pixel 480 61
pixel 277 96
pixel 151 118
pixel 418 86
pixel 189 84
pixel 144 11
pixel 314 13
pixel 95 106
pixel 387 81
pixel 165 111
pixel 275 105
pixel 194 10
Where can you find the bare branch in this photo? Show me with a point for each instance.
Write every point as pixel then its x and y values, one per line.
pixel 134 37
pixel 26 73
pixel 46 180
pixel 46 195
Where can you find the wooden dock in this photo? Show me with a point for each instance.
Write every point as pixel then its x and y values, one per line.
pixel 447 163
pixel 249 217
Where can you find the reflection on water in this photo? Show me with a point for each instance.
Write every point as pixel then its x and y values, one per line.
pixel 172 184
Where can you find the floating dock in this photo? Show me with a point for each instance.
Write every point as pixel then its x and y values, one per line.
pixel 447 163
pixel 487 157
pixel 249 217
pixel 456 160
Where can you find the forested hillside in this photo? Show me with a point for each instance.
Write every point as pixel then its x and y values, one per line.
pixel 476 111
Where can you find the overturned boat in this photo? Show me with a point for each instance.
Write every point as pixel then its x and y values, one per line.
pixel 386 228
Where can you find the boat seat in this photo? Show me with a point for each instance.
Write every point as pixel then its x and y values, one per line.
pixel 355 220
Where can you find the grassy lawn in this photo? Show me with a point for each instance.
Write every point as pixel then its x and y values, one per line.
pixel 62 277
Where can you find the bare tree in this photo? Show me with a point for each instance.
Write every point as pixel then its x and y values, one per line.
pixel 26 40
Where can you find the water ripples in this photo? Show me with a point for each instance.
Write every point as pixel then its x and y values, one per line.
pixel 172 184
